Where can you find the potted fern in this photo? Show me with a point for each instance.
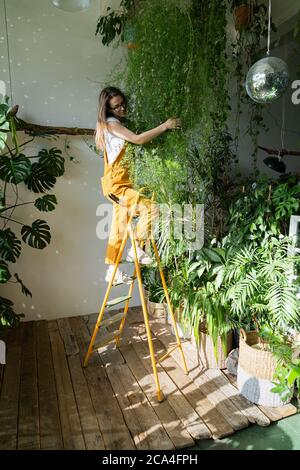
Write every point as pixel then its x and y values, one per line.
pixel 258 287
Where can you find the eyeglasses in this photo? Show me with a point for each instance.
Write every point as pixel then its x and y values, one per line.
pixel 118 106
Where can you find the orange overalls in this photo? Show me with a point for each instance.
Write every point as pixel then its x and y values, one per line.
pixel 118 189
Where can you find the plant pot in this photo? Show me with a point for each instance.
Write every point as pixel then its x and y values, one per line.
pixel 146 293
pixel 206 349
pixel 241 16
pixel 256 368
pixel 156 310
pixel 183 331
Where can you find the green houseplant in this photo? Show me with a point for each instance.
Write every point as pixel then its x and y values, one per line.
pixel 38 176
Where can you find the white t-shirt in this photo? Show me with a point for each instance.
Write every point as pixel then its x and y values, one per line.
pixel 113 143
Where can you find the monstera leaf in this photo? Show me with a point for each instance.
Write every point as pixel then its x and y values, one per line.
pixel 14 170
pixel 4 272
pixel 10 246
pixel 52 161
pixel 39 181
pixel 24 288
pixel 46 203
pixel 8 317
pixel 38 235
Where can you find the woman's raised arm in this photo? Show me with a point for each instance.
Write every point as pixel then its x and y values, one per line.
pixel 124 133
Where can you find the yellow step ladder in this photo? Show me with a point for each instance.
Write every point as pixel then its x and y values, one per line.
pixel 121 317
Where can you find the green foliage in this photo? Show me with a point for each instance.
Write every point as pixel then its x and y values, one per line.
pixel 8 317
pixel 286 349
pixel 38 177
pixel 112 25
pixel 257 284
pixel 181 58
pixel 261 211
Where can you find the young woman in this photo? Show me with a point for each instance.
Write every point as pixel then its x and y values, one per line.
pixel 112 136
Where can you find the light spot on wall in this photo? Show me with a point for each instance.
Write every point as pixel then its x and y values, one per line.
pixel 32 307
pixel 23 305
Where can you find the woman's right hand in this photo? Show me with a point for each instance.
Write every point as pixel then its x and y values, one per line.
pixel 173 123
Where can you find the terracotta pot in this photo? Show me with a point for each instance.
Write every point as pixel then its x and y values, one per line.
pixel 242 16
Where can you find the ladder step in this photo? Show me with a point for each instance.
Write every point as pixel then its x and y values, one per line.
pixel 106 339
pixel 117 300
pixel 111 320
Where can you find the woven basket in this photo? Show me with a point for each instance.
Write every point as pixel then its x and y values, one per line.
pixel 256 369
pixel 206 349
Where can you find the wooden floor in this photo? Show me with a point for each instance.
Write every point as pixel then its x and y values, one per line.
pixel 48 401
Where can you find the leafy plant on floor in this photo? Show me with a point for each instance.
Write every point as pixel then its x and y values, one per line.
pixel 285 346
pixel 38 176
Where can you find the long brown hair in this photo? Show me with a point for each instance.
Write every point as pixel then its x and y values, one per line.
pixel 104 112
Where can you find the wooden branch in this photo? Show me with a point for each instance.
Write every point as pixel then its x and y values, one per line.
pixel 280 153
pixel 36 129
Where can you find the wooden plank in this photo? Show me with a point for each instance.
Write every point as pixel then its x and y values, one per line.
pixel 214 420
pixel 182 408
pixel 144 425
pixel 172 424
pixel 163 333
pixel 50 429
pixel 28 428
pixel 114 431
pixel 9 401
pixel 66 333
pixel 251 411
pixel 224 405
pixel 89 423
pixel 70 423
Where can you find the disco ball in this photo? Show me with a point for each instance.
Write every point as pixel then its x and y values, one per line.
pixel 72 5
pixel 267 79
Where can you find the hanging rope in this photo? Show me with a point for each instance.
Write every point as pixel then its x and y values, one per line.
pixel 269 28
pixel 8 56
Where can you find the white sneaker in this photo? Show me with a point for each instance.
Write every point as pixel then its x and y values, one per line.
pixel 143 258
pixel 120 277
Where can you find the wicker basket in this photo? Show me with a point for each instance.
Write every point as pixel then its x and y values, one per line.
pixel 256 369
pixel 206 349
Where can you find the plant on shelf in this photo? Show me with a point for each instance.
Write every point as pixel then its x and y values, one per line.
pixel 38 176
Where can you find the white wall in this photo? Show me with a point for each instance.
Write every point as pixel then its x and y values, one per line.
pixel 58 67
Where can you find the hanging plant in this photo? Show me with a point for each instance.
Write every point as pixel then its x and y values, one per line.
pixel 241 10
